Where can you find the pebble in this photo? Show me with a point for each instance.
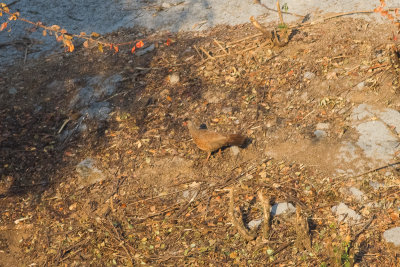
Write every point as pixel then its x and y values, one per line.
pixel 309 75
pixel 235 150
pixel 174 78
pixel 12 91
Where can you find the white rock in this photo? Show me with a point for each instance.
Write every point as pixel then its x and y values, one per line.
pixel 392 235
pixel 255 223
pixel 345 213
pixel 281 208
pixel 356 193
pixel 174 78
pixel 319 134
pixel 309 75
pixel 235 150
pixel 322 126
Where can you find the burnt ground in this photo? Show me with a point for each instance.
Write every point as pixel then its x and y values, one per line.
pixel 160 203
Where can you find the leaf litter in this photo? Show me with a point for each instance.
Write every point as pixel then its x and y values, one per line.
pixel 161 204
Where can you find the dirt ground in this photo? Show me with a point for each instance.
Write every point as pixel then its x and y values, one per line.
pixel 161 203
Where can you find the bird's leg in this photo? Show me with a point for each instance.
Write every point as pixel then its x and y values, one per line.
pixel 208 156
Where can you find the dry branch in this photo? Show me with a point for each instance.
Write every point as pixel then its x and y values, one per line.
pixel 238 223
pixel 267 214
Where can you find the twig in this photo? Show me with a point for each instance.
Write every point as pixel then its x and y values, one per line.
pixel 373 170
pixel 238 223
pixel 267 214
pixel 182 210
pixel 284 12
pixel 205 52
pixel 244 39
pixel 278 6
pixel 303 239
pixel 198 52
pixel 220 46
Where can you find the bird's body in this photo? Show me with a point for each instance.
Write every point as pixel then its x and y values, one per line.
pixel 210 141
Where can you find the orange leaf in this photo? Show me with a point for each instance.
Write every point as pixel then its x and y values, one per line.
pixel 86 44
pixel 82 34
pixel 55 27
pixel 169 98
pixel 71 47
pixel 133 49
pixel 382 3
pixel 3 26
pixel 59 38
pixel 95 34
pixel 396 11
pixel 116 49
pixel 44 32
pixel 100 48
pixel 139 44
pixel 168 42
pixel 378 9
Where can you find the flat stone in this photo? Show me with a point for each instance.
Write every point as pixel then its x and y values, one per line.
pixel 392 236
pixel 255 223
pixel 322 126
pixel 376 140
pixel 356 193
pixel 309 75
pixel 319 134
pixel 235 150
pixel 88 173
pixel 12 91
pixel 345 213
pixel 281 208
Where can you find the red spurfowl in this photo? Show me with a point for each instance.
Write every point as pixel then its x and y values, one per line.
pixel 211 141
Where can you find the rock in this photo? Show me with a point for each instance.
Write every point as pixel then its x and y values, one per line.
pixel 319 134
pixel 392 236
pixel 309 75
pixel 356 193
pixel 235 150
pixel 353 192
pixel 375 185
pixel 345 213
pixel 107 86
pixel 322 126
pixel 255 223
pixel 173 78
pixel 141 52
pixel 88 173
pixel 376 140
pixel 281 208
pixel 83 98
pixel 12 91
pixel 360 86
pixel 99 111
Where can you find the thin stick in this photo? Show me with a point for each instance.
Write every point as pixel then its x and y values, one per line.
pixel 244 39
pixel 279 12
pixel 198 52
pixel 238 223
pixel 220 46
pixel 205 52
pixel 373 170
pixel 267 214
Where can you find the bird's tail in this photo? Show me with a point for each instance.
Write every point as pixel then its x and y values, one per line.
pixel 236 140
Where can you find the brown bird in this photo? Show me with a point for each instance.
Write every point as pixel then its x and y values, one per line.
pixel 211 141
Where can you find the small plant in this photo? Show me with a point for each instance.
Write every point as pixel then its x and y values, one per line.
pixel 63 36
